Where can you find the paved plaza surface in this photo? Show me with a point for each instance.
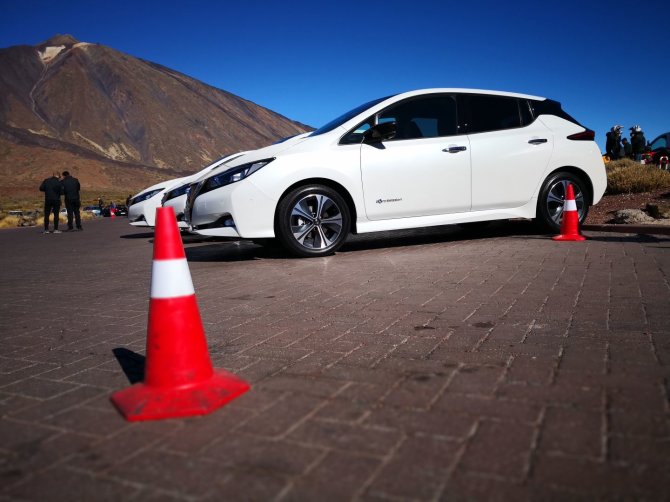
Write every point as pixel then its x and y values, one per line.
pixel 432 365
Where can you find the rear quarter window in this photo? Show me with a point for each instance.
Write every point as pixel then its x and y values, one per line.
pixel 551 107
pixel 491 113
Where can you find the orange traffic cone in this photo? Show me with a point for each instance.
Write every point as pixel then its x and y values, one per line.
pixel 179 379
pixel 570 219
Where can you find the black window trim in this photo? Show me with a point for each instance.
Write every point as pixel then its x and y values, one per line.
pixel 375 117
pixel 467 111
pixel 463 116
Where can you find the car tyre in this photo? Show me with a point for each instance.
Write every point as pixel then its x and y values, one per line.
pixel 312 221
pixel 552 197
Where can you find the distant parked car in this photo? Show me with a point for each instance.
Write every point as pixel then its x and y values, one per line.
pixel 660 147
pixel 120 210
pixel 95 210
pixel 418 159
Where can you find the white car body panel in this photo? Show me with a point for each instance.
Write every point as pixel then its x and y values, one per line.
pixel 506 168
pixel 177 203
pixel 498 176
pixel 585 154
pixel 416 177
pixel 143 214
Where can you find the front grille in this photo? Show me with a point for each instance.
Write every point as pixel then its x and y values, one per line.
pixel 193 192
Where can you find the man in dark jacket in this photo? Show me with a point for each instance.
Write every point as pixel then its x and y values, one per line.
pixel 613 144
pixel 52 189
pixel 637 141
pixel 71 189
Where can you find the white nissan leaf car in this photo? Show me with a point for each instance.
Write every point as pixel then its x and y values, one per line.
pixel 175 196
pixel 142 209
pixel 416 159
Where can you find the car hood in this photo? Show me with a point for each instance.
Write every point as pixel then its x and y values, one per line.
pixel 272 150
pixel 163 185
pixel 261 153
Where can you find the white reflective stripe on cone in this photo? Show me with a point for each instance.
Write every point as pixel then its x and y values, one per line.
pixel 171 279
pixel 570 205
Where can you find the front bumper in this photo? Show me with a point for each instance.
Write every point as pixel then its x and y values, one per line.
pixel 178 205
pixel 238 210
pixel 143 214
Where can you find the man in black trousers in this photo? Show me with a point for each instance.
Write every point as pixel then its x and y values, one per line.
pixel 72 201
pixel 52 189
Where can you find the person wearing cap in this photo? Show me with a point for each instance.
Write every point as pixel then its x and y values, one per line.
pixel 613 144
pixel 637 142
pixel 53 190
pixel 71 189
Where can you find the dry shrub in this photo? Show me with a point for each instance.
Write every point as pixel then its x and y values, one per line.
pixel 62 220
pixel 628 176
pixel 85 215
pixel 10 221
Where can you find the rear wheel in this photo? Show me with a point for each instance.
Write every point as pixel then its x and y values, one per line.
pixel 312 221
pixel 552 197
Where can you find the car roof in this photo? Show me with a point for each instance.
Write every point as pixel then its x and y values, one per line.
pixel 467 91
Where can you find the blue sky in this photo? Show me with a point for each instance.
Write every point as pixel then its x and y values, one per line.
pixel 311 61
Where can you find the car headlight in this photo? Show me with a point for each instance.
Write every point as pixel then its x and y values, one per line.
pixel 145 196
pixel 172 194
pixel 233 175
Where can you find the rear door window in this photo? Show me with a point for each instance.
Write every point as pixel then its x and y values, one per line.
pixel 491 113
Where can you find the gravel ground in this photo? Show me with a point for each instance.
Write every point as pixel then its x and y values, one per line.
pixel 603 212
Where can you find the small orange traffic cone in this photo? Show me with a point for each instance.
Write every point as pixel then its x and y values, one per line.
pixel 570 219
pixel 179 379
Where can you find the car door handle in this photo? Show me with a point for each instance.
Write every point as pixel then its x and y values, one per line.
pixel 537 141
pixel 455 149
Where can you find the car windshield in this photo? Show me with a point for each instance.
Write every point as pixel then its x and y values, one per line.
pixel 660 142
pixel 347 116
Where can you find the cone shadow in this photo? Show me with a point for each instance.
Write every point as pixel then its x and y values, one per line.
pixel 131 363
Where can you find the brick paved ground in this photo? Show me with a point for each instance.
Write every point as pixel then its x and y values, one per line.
pixel 431 366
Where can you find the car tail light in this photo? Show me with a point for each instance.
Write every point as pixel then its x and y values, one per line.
pixel 587 135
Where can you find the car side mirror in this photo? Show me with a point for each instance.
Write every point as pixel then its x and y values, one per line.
pixel 380 132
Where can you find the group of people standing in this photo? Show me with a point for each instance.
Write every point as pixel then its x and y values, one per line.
pixel 617 147
pixel 54 188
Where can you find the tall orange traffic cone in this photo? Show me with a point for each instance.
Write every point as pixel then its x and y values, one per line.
pixel 570 219
pixel 179 379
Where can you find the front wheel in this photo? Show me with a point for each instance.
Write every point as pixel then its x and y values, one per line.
pixel 552 197
pixel 312 221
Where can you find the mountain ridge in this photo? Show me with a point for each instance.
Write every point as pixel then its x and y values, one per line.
pixel 91 101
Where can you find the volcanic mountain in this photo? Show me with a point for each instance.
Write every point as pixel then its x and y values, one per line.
pixel 116 121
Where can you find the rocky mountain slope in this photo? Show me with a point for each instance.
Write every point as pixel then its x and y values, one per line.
pixel 115 119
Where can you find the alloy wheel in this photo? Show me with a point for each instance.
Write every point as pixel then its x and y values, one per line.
pixel 316 222
pixel 556 198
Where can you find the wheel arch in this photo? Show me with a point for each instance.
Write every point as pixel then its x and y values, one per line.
pixel 576 171
pixel 330 184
